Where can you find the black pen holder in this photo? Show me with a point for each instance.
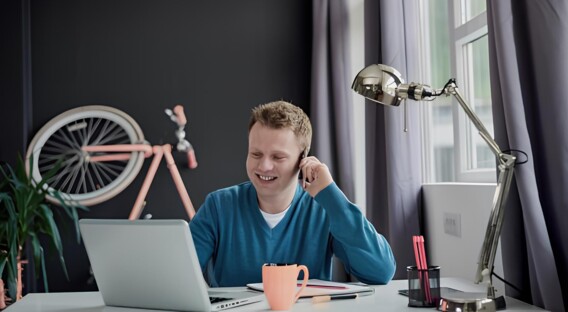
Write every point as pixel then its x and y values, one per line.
pixel 423 286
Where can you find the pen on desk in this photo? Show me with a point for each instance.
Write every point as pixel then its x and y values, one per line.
pixel 318 299
pixel 324 286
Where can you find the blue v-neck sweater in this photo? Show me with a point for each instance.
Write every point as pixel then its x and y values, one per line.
pixel 233 240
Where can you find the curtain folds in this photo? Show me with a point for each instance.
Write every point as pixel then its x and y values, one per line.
pixel 393 156
pixel 529 73
pixel 331 105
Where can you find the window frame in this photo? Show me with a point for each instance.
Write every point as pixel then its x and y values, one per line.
pixel 461 33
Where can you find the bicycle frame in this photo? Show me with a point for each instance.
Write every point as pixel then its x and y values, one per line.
pixel 124 151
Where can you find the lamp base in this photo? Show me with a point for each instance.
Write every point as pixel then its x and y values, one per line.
pixel 470 302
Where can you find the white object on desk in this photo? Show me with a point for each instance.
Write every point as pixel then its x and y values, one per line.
pixel 386 298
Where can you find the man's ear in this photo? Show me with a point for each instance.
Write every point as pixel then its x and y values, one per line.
pixel 306 151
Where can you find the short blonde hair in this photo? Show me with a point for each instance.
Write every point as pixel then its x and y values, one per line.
pixel 281 115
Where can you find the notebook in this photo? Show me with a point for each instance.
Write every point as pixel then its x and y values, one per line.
pixel 152 264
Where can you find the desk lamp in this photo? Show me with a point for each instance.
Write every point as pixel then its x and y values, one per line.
pixel 384 85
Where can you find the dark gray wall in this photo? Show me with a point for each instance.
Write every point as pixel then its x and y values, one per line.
pixel 217 58
pixel 14 77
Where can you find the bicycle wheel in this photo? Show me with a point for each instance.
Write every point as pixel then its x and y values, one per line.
pixel 77 179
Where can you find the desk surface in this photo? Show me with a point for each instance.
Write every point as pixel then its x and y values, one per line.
pixel 386 298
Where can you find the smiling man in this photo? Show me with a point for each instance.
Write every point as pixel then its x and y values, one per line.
pixel 277 218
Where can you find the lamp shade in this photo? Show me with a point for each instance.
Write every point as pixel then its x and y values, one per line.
pixel 379 83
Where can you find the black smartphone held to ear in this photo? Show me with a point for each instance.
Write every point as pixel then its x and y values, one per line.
pixel 302 156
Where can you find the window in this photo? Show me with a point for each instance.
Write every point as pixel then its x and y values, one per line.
pixel 455 45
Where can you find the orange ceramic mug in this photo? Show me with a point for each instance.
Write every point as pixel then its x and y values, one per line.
pixel 280 281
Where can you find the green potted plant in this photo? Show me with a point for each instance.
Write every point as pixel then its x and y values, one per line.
pixel 25 215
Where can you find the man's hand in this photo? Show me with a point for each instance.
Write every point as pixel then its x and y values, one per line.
pixel 316 175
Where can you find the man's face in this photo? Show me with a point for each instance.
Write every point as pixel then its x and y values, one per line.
pixel 272 160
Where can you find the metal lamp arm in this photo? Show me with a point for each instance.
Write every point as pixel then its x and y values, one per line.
pixel 495 223
pixel 452 88
pixel 506 168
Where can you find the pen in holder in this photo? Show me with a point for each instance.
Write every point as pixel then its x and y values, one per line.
pixel 423 286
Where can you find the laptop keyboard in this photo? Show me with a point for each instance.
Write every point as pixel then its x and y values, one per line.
pixel 217 299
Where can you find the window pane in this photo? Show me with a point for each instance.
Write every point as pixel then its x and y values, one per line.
pixel 471 8
pixel 479 97
pixel 443 139
pixel 440 110
pixel 453 149
pixel 439 35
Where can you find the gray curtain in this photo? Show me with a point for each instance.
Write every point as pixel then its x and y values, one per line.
pixel 528 41
pixel 393 173
pixel 331 105
pixel 393 156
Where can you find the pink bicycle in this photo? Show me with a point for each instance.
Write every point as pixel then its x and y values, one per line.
pixel 101 150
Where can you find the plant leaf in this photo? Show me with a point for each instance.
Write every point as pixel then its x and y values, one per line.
pixel 8 239
pixel 44 271
pixel 25 216
pixel 51 228
pixel 37 252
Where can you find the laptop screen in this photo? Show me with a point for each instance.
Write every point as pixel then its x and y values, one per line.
pixel 145 264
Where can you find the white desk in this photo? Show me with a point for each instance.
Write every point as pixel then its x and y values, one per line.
pixel 386 298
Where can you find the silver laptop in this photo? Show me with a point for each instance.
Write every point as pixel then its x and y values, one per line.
pixel 152 264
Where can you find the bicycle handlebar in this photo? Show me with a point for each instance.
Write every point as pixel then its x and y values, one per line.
pixel 183 145
pixel 181 120
pixel 191 160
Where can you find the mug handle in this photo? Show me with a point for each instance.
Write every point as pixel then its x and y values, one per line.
pixel 304 282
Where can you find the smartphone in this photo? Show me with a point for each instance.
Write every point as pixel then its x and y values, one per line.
pixel 302 156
